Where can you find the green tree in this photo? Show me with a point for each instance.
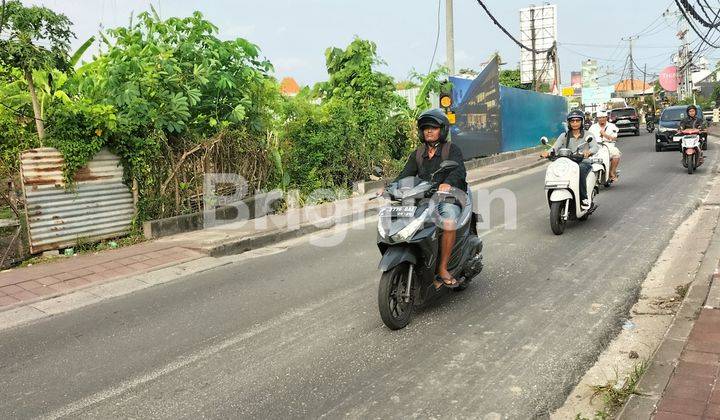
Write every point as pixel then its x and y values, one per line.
pixel 361 122
pixel 38 39
pixel 175 75
pixel 434 82
pixel 511 78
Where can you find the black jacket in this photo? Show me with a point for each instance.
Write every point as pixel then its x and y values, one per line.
pixel 689 123
pixel 456 178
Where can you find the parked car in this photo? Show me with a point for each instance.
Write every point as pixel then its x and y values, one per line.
pixel 626 120
pixel 668 125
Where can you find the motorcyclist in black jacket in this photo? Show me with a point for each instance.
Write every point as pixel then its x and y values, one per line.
pixel 433 128
pixel 694 121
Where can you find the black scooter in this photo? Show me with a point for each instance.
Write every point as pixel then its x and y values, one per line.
pixel 409 241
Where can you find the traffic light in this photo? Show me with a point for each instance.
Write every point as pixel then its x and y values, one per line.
pixel 445 101
pixel 445 104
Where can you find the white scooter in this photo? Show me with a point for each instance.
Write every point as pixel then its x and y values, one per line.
pixel 601 165
pixel 562 187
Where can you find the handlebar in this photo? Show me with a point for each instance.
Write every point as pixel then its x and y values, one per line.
pixel 691 131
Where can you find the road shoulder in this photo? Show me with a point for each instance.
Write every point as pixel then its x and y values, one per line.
pixel 642 357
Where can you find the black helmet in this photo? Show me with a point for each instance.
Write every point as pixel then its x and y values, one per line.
pixel 434 118
pixel 576 113
pixel 687 110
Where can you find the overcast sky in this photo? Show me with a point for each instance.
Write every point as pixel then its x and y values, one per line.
pixel 294 34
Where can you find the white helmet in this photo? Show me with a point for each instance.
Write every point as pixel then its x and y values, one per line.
pixel 601 114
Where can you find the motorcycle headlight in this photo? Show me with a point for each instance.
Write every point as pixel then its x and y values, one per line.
pixel 408 231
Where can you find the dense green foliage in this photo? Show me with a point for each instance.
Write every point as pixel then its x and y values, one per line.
pixel 361 122
pixel 511 78
pixel 175 102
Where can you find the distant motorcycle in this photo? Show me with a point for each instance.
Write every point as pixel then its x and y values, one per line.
pixel 691 148
pixel 650 126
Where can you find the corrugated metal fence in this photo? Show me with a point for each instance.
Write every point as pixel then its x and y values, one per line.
pixel 99 206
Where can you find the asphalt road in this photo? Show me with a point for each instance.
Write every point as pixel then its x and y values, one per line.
pixel 296 333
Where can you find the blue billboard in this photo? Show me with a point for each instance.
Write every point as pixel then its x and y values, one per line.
pixel 491 118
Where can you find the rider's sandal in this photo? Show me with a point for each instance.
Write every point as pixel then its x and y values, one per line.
pixel 452 285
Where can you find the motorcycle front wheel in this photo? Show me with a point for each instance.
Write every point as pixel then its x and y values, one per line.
pixel 690 164
pixel 394 311
pixel 557 223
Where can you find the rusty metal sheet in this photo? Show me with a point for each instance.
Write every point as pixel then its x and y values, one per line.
pixel 100 206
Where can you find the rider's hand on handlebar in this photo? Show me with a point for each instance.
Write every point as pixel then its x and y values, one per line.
pixel 544 154
pixel 586 154
pixel 444 187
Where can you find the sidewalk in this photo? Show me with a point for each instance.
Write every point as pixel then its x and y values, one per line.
pixel 683 378
pixel 20 287
pixel 694 388
pixel 27 285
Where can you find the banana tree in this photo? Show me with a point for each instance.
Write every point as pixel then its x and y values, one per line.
pixel 37 39
pixel 49 85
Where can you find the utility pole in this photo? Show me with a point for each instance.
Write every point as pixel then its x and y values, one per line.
pixel 683 57
pixel 630 39
pixel 532 43
pixel 556 64
pixel 449 36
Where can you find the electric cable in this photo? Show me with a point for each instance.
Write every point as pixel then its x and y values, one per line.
pixel 509 35
pixel 437 38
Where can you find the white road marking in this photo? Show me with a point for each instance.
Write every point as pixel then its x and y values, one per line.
pixel 194 357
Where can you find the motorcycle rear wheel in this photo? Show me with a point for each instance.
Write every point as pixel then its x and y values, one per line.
pixel 395 313
pixel 557 224
pixel 691 164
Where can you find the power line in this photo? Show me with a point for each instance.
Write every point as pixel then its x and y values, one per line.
pixel 691 10
pixel 690 23
pixel 643 71
pixel 589 56
pixel 509 35
pixel 611 45
pixel 641 33
pixel 707 16
pixel 437 38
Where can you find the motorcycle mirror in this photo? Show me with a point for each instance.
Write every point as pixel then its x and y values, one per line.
pixel 589 139
pixel 544 140
pixel 378 171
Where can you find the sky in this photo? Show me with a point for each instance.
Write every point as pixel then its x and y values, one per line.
pixel 293 34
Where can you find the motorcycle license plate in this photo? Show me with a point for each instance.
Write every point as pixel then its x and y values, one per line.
pixel 624 122
pixel 399 211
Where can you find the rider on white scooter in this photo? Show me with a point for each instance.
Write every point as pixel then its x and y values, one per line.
pixel 574 139
pixel 607 132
